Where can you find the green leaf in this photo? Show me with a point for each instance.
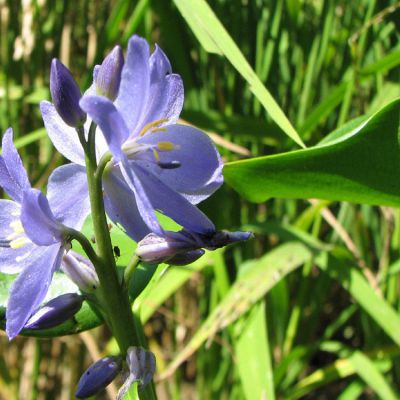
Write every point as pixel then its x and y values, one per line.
pixel 253 354
pixel 215 39
pixel 361 165
pixel 368 371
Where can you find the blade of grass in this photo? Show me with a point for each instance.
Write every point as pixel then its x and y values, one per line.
pixel 253 355
pixel 201 18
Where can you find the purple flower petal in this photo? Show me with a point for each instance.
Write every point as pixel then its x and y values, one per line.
pixel 104 114
pixel 200 171
pixel 121 206
pixel 12 260
pixel 135 82
pixel 144 205
pixel 165 100
pixel 38 221
pixel 13 177
pixel 64 137
pixel 30 288
pixel 171 203
pixel 68 196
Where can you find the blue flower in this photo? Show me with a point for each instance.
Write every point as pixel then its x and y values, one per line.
pixel 32 240
pixel 157 164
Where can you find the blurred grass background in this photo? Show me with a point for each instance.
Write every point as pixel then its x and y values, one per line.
pixel 271 318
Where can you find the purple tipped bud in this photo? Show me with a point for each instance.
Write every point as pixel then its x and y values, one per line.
pixel 98 376
pixel 81 271
pixel 184 247
pixel 55 312
pixel 65 94
pixel 156 249
pixel 109 74
pixel 224 238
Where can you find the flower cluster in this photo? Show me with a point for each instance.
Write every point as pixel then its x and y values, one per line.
pixel 126 125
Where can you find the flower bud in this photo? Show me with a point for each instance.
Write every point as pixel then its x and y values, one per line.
pixel 55 312
pixel 142 365
pixel 65 94
pixel 156 249
pixel 184 247
pixel 98 376
pixel 81 271
pixel 109 74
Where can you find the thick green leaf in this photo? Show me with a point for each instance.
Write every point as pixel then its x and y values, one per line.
pixel 215 39
pixel 361 165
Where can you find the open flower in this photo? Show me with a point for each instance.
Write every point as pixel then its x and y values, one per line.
pixel 157 164
pixel 32 239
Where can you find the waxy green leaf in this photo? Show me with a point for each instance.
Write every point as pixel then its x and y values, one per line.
pixel 360 165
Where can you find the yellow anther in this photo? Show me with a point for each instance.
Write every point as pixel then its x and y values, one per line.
pixel 159 130
pixel 156 155
pixel 165 146
pixel 153 124
pixel 17 226
pixel 17 243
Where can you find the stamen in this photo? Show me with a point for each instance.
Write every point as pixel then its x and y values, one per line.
pixel 153 124
pixel 17 226
pixel 166 146
pixel 156 155
pixel 19 242
pixel 21 258
pixel 4 243
pixel 159 130
pixel 13 236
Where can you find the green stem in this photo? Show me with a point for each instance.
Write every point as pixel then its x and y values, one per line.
pixel 112 294
pixel 83 241
pixel 112 298
pixel 130 269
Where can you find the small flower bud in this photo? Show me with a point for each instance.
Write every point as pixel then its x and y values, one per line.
pixel 65 94
pixel 184 247
pixel 55 312
pixel 98 376
pixel 156 249
pixel 142 365
pixel 81 271
pixel 109 74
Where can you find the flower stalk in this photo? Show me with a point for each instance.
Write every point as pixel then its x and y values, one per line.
pixel 112 296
